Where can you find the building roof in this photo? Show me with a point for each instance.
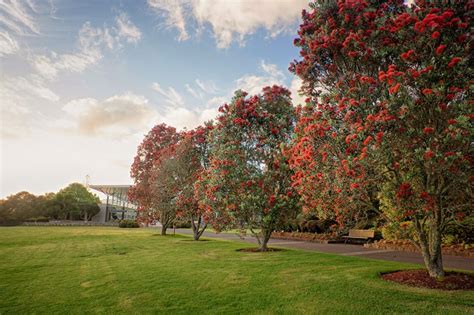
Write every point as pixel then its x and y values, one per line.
pixel 117 192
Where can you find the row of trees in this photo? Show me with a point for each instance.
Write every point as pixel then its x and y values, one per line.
pixel 73 202
pixel 386 130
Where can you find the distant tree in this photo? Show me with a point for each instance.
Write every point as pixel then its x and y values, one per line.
pixel 149 152
pixel 75 201
pixel 248 181
pixel 165 186
pixel 192 157
pixel 50 206
pixel 18 207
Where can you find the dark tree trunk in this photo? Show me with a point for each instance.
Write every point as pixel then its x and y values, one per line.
pixel 163 229
pixel 430 246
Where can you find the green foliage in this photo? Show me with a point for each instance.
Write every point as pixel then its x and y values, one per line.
pixel 248 182
pixel 128 224
pixel 19 207
pixel 460 232
pixel 309 223
pixel 76 202
pixel 182 224
pixel 398 231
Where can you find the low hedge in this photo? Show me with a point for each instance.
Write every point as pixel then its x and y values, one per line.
pixel 128 224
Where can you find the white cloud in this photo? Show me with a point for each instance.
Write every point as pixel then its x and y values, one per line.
pixel 127 30
pixel 21 86
pixel 230 20
pixel 171 96
pixel 207 87
pixel 295 87
pixel 194 92
pixel 218 101
pixel 16 16
pixel 21 98
pixel 182 117
pixel 44 66
pixel 8 44
pixel 201 88
pixel 91 44
pixel 117 115
pixel 253 84
pixel 271 69
pixel 268 75
pixel 173 11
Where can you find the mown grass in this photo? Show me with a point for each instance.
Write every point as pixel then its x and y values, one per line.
pixel 110 270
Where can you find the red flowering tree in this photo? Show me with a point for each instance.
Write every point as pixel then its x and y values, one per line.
pixel 248 181
pixel 389 88
pixel 330 183
pixel 149 153
pixel 192 159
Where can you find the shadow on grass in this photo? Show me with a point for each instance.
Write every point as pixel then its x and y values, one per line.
pixel 170 235
pixel 258 250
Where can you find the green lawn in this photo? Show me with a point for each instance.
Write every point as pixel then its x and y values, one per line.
pixel 111 270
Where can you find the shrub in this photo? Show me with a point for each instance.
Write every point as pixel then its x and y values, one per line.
pixel 292 225
pixel 325 225
pixel 128 224
pixel 398 231
pixel 460 232
pixel 312 226
pixel 182 224
pixel 38 219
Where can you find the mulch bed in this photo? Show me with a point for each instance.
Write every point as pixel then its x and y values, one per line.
pixel 308 237
pixel 257 250
pixel 465 250
pixel 420 278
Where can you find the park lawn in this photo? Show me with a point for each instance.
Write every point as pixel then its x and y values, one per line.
pixel 110 270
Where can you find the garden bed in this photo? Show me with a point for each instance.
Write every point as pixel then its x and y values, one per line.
pixel 421 278
pixel 308 237
pixel 465 250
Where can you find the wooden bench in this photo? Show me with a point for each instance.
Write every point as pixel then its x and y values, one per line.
pixel 365 235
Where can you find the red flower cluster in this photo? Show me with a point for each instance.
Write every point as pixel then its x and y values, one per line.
pixel 404 191
pixel 454 61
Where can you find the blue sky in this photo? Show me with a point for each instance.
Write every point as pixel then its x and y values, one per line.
pixel 83 81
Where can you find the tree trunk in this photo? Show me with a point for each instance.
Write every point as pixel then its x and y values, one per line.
pixel 197 233
pixel 195 229
pixel 163 229
pixel 431 249
pixel 266 233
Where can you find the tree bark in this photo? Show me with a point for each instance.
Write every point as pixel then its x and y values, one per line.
pixel 266 233
pixel 430 246
pixel 197 233
pixel 163 229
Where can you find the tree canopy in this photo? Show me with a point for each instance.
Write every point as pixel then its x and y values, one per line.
pixel 388 116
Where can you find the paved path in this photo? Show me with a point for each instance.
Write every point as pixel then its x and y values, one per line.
pixel 452 262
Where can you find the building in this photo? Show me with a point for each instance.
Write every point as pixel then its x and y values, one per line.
pixel 116 205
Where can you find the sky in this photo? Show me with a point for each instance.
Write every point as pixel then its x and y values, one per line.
pixel 82 82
